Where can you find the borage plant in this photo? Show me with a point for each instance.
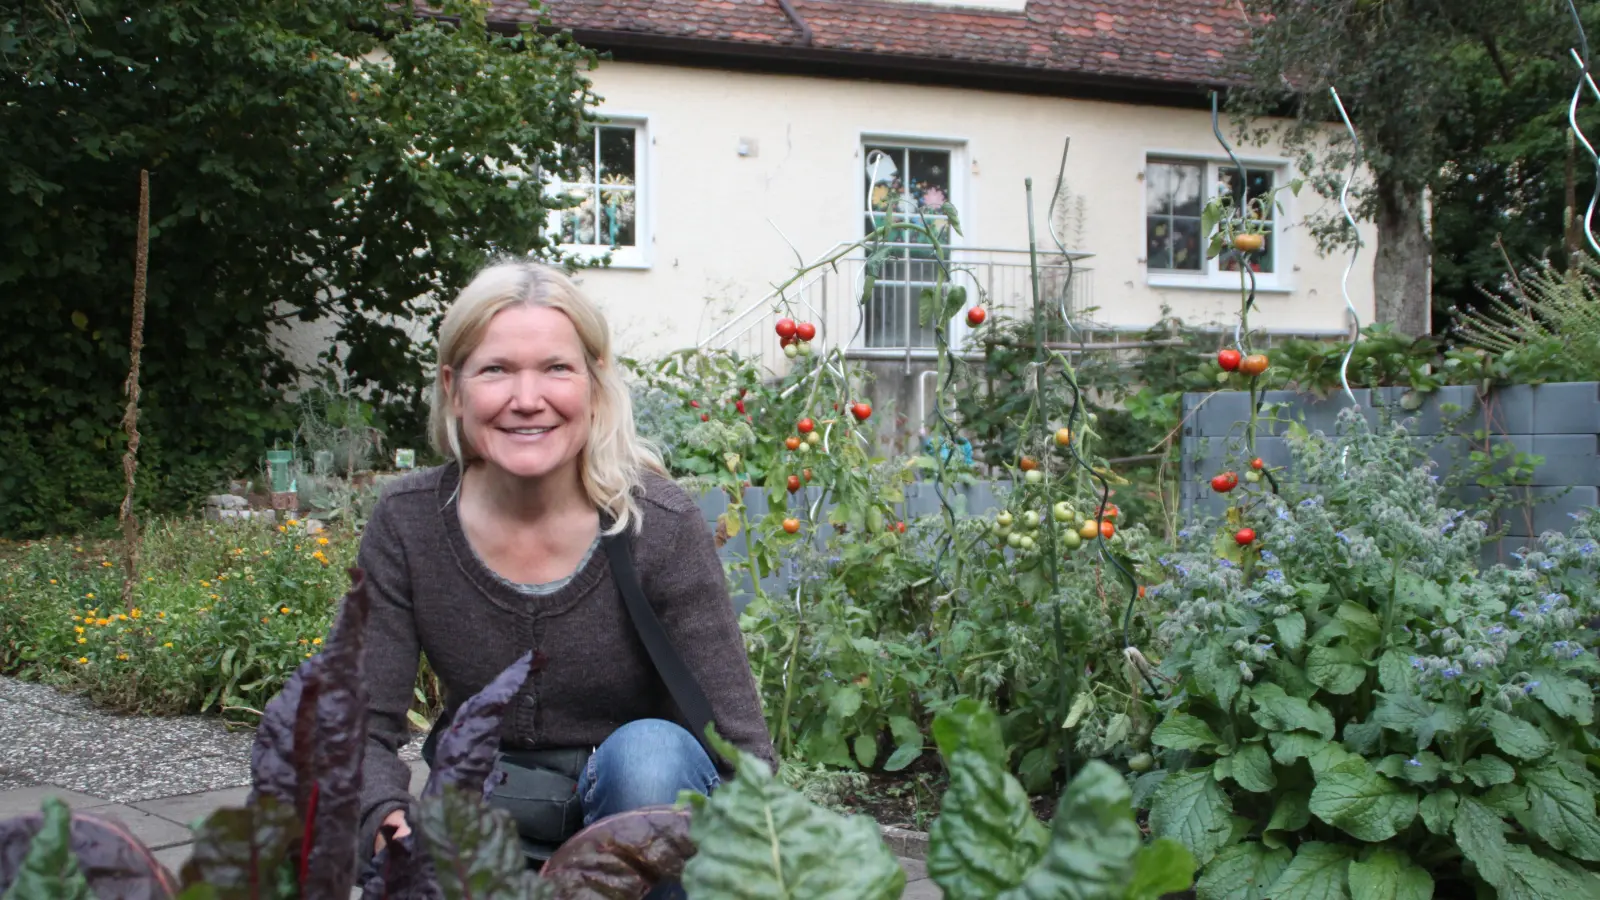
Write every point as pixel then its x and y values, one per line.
pixel 1360 710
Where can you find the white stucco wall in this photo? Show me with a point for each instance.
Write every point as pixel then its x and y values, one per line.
pixel 713 249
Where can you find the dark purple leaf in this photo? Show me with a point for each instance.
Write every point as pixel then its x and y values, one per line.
pixel 49 869
pixel 400 872
pixel 466 750
pixel 310 744
pixel 244 853
pixel 477 854
pixel 112 860
pixel 622 857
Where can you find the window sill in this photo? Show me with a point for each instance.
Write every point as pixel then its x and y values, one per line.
pixel 1231 286
pixel 629 258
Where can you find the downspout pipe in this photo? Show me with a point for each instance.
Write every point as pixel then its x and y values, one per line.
pixel 798 20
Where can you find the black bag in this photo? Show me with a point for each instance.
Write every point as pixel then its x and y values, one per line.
pixel 539 788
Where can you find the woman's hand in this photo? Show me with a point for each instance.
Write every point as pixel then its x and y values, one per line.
pixel 397 820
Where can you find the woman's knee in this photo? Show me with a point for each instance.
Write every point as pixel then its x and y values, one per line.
pixel 645 763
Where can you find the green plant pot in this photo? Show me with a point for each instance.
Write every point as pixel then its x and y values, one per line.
pixel 278 463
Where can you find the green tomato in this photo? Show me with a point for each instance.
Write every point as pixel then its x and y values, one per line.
pixel 1252 476
pixel 1033 476
pixel 1062 512
pixel 1030 519
pixel 814 438
pixel 1222 378
pixel 1004 519
pixel 803 348
pixel 1028 543
pixel 1141 762
pixel 1003 531
pixel 804 448
pixel 791 351
pixel 1071 539
pixel 1015 540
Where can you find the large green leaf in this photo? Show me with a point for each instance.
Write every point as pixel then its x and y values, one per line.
pixel 1517 737
pixel 1438 810
pixel 758 838
pixel 1488 770
pixel 970 725
pixel 1253 770
pixel 1242 872
pixel 1217 675
pixel 50 868
pixel 1394 675
pixel 1354 797
pixel 1096 851
pixel 1181 731
pixel 1480 833
pixel 1561 813
pixel 986 838
pixel 1291 630
pixel 1361 627
pixel 1278 711
pixel 1192 809
pixel 1567 697
pixel 1289 815
pixel 476 852
pixel 1288 746
pixel 1389 875
pixel 1416 717
pixel 845 702
pixel 1319 871
pixel 1337 670
pixel 1513 870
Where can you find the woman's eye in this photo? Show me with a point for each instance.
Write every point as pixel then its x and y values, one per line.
pixel 493 370
pixel 561 367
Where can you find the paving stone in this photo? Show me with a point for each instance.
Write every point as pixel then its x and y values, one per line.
pixel 154 831
pixel 174 857
pixel 23 801
pixel 916 869
pixel 419 776
pixel 189 809
pixel 922 890
pixel 157 779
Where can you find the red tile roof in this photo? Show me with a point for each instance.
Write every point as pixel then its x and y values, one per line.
pixel 1166 42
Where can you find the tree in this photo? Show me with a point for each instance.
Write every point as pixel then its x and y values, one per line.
pixel 1401 67
pixel 342 160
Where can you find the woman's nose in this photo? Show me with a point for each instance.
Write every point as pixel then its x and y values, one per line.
pixel 527 394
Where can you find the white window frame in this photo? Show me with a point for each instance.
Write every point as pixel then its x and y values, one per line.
pixel 638 256
pixel 960 196
pixel 1212 277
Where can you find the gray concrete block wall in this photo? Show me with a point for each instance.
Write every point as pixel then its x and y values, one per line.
pixel 1559 422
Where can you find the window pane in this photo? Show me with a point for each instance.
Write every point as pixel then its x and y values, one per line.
pixel 1188 253
pixel 930 178
pixel 1158 241
pixel 1260 182
pixel 616 155
pixel 577 224
pixel 1186 181
pixel 1158 189
pixel 883 168
pixel 617 217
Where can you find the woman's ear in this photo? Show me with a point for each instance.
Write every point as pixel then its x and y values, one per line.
pixel 447 381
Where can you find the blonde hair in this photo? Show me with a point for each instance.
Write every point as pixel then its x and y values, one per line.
pixel 613 462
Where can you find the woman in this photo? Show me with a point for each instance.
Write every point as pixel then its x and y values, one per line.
pixel 499 552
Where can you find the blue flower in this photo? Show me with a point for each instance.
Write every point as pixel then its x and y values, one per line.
pixel 1517 614
pixel 1528 688
pixel 1517 556
pixel 1413 761
pixel 1451 672
pixel 1268 556
pixel 1587 548
pixel 1342 536
pixel 1497 629
pixel 1547 564
pixel 1283 514
pixel 1225 563
pixel 1416 662
pixel 1275 576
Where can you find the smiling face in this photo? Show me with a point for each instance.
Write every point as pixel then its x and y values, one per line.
pixel 523 397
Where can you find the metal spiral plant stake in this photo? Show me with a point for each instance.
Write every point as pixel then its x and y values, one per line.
pixel 1344 206
pixel 1585 79
pixel 1066 291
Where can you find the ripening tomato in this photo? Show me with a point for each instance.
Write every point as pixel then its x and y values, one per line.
pixel 1249 242
pixel 1257 464
pixel 1254 364
pixel 861 411
pixel 1028 464
pixel 1229 359
pixel 1089 530
pixel 975 316
pixel 806 426
pixel 739 405
pixel 1107 530
pixel 705 417
pixel 791 525
pixel 1063 437
pixel 900 527
pixel 805 473
pixel 785 328
pixel 805 331
pixel 1245 536
pixel 794 483
pixel 791 442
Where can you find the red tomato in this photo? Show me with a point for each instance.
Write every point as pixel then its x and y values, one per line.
pixel 792 442
pixel 806 426
pixel 975 316
pixel 805 331
pixel 794 483
pixel 1107 529
pixel 1224 483
pixel 786 328
pixel 861 411
pixel 705 417
pixel 791 525
pixel 1245 536
pixel 1229 359
pixel 1257 464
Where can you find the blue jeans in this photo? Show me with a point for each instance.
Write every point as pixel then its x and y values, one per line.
pixel 645 763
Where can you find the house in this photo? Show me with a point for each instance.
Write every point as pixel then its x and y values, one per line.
pixel 746 137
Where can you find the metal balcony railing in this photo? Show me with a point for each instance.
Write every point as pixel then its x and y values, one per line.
pixel 885 325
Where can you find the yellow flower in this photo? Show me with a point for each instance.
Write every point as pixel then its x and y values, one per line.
pixel 149 578
pixel 77 549
pixel 297 546
pixel 263 620
pixel 317 641
pixel 106 563
pixel 161 615
pixel 94 612
pixel 282 528
pixel 76 619
pixel 77 628
pixel 167 645
pixel 122 656
pixel 88 596
pixel 308 656
pixel 215 597
pixel 136 613
pixel 304 641
pixel 83 640
pixel 205 584
pixel 323 541
pixel 284 610
pixel 52 581
pixel 293 522
pixel 83 660
pixel 122 617
pixel 103 622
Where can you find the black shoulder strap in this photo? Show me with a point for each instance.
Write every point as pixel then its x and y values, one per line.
pixel 680 681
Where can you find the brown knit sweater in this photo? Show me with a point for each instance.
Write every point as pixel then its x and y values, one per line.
pixel 432 594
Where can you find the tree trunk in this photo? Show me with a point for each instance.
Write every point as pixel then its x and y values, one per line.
pixel 1400 271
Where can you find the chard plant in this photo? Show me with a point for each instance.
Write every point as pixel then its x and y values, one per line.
pixel 1359 710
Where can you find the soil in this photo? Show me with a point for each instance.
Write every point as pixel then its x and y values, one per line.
pixel 911 799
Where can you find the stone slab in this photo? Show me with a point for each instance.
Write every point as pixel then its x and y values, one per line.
pixel 152 830
pixel 24 801
pixel 191 809
pixel 174 857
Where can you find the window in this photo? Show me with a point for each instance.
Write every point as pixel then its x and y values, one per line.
pixel 905 184
pixel 609 218
pixel 1176 191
